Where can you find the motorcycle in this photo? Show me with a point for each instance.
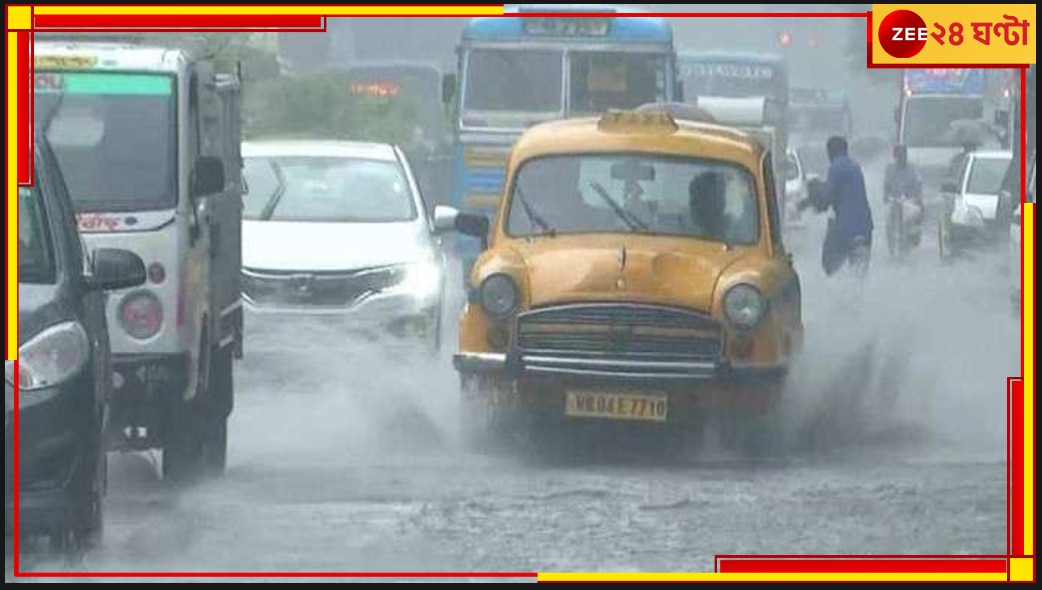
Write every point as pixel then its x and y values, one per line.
pixel 904 225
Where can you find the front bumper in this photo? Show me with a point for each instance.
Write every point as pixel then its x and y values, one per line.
pixel 692 392
pixel 397 314
pixel 144 387
pixel 58 438
pixel 515 366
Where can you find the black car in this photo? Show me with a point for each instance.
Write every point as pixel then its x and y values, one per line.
pixel 63 373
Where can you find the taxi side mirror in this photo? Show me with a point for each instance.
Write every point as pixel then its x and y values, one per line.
pixel 475 226
pixel 949 187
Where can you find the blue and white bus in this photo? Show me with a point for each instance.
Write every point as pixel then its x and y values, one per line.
pixel 537 63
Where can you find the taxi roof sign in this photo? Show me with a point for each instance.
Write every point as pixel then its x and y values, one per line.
pixel 638 122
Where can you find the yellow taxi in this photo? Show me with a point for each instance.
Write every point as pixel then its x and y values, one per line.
pixel 635 271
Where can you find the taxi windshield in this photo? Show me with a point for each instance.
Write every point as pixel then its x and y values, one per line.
pixel 635 193
pixel 326 189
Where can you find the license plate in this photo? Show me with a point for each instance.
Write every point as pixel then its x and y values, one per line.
pixel 616 406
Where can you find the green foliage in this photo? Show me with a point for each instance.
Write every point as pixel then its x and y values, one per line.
pixel 321 106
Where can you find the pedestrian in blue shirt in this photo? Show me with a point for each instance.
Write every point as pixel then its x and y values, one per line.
pixel 849 237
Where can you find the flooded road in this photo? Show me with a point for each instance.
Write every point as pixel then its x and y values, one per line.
pixel 344 455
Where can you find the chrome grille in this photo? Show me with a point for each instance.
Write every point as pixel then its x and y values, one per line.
pixel 625 331
pixel 317 289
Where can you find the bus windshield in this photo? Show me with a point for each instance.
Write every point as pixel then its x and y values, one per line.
pixel 514 80
pixel 114 137
pixel 601 81
pixel 927 119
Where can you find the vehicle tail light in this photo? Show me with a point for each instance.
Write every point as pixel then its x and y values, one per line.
pixel 141 315
pixel 156 273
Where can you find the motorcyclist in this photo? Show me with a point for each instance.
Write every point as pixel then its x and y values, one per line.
pixel 903 194
pixel 902 180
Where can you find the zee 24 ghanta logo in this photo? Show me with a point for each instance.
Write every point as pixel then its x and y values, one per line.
pixel 903 33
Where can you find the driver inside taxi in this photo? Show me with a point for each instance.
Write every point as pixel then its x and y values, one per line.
pixel 707 192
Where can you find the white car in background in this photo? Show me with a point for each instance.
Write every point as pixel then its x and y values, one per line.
pixel 972 202
pixel 1015 236
pixel 340 230
pixel 795 184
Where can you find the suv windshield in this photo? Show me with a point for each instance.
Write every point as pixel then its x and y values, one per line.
pixel 326 189
pixel 113 135
pixel 661 195
pixel 35 252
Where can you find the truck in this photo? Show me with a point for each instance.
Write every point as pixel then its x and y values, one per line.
pixel 930 101
pixel 148 139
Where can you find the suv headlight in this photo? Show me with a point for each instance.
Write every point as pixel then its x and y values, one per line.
pixel 51 357
pixel 422 279
pixel 744 306
pixel 499 295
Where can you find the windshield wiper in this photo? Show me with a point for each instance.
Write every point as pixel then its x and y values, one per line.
pixel 532 215
pixel 631 220
pixel 280 190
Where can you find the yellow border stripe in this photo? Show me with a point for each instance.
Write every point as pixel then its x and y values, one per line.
pixel 43 9
pixel 12 195
pixel 779 577
pixel 1028 257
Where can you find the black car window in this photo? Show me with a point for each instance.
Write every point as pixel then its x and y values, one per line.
pixel 35 247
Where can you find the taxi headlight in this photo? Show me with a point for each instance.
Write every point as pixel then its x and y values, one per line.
pixel 744 306
pixel 499 295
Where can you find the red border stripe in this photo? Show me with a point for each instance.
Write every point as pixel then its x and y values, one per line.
pixel 25 110
pixel 857 566
pixel 171 21
pixel 1017 470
